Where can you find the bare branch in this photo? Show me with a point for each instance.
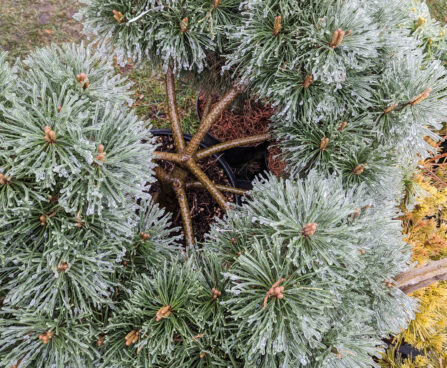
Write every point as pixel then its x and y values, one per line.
pixel 176 125
pixel 421 277
pixel 248 141
pixel 207 108
pixel 223 188
pixel 211 118
pixel 173 157
pixel 208 184
pixel 180 192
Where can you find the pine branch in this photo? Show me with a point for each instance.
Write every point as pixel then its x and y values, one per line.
pixel 207 183
pixel 169 156
pixel 180 192
pixel 207 108
pixel 211 118
pixel 426 275
pixel 223 188
pixel 248 141
pixel 173 112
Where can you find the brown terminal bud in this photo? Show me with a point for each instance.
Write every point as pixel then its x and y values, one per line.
pixel 342 126
pixel 308 81
pixel 362 252
pixel 277 26
pixel 309 229
pixel 46 337
pixel 59 108
pixel 120 18
pixel 101 156
pixel 144 236
pixel 132 337
pixel 216 3
pixel 4 179
pixel 163 312
pixel 101 339
pixel 50 135
pixel 337 38
pixel 233 241
pixel 62 267
pixel 202 355
pixel 323 144
pixel 184 25
pixel 358 169
pixel 43 220
pixel 81 77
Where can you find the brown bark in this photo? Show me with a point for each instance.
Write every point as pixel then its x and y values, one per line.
pixel 248 141
pixel 207 183
pixel 426 275
pixel 177 131
pixel 211 118
pixel 180 192
pixel 169 156
pixel 222 188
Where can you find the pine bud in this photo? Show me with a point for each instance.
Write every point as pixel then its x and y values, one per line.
pixel 217 3
pixel 202 355
pixel 4 179
pixel 50 135
pixel 277 26
pixel 421 97
pixel 233 241
pixel 79 222
pixel 342 126
pixel 101 339
pixel 358 169
pixel 43 220
pixel 163 312
pixel 184 24
pixel 308 81
pixel 83 79
pixel 120 18
pixel 101 156
pixel 421 21
pixel 144 236
pixel 215 293
pixel 337 38
pixel 362 252
pixel 59 108
pixel 132 337
pixel 62 267
pixel 46 337
pixel 323 144
pixel 309 229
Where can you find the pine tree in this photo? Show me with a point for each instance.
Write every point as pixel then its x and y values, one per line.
pixel 310 271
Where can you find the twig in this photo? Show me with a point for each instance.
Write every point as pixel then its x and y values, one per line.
pixel 210 119
pixel 223 188
pixel 177 132
pixel 231 144
pixel 207 183
pixel 426 275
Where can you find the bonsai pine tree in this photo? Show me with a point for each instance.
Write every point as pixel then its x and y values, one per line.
pixel 74 211
pixel 310 272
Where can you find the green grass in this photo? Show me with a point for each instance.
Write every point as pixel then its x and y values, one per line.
pixel 27 24
pixel 438 9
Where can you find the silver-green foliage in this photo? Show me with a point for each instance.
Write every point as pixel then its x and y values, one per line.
pixel 72 207
pixel 335 298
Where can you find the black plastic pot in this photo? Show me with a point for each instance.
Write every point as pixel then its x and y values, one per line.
pixel 222 163
pixel 235 156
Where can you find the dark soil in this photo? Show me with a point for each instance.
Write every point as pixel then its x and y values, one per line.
pixel 250 119
pixel 202 206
